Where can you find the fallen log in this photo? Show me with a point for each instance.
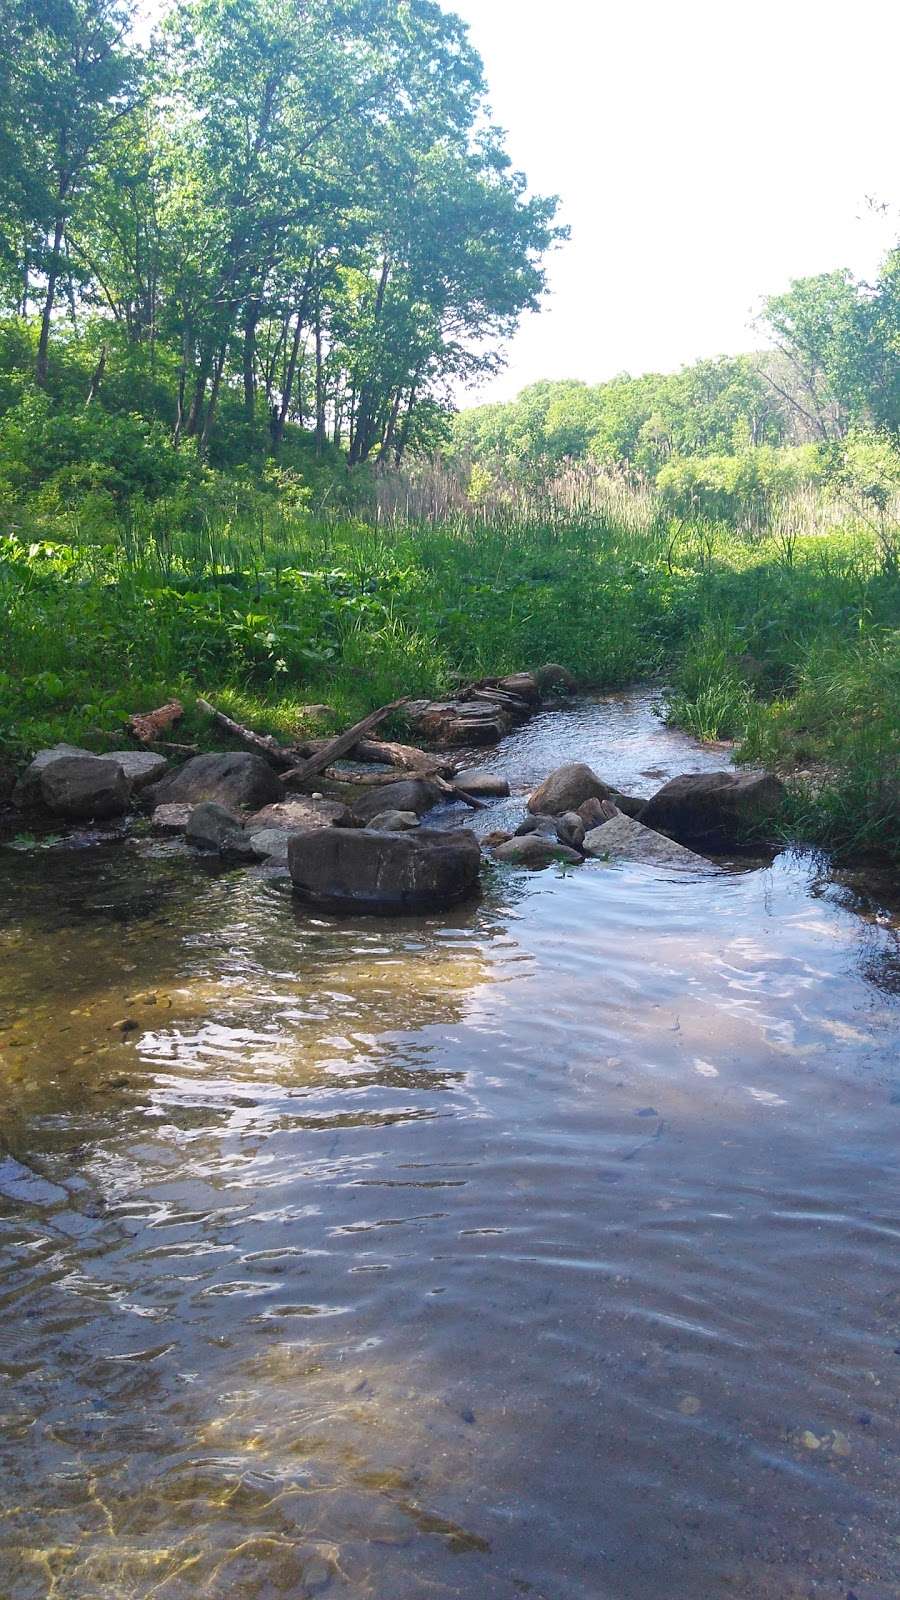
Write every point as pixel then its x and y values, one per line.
pixel 335 748
pixel 148 725
pixel 500 697
pixel 405 756
pixel 372 780
pixel 263 743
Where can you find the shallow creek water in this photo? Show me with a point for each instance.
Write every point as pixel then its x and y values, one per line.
pixel 547 1249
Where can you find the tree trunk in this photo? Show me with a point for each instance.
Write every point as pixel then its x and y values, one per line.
pixel 320 385
pixel 192 425
pixel 387 442
pixel 281 418
pixel 213 397
pixel 403 437
pixel 96 378
pixel 364 433
pixel 182 380
pixel 42 363
pixel 249 361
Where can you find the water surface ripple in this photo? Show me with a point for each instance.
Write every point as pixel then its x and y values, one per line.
pixel 548 1249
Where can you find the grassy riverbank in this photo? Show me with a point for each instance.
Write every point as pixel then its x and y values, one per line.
pixel 791 648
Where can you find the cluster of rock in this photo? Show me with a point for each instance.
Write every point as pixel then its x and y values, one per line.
pixel 574 814
pixel 77 786
pixel 372 855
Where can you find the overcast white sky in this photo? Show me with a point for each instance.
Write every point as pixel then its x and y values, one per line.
pixel 705 153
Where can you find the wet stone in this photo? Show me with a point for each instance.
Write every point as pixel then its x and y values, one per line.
pixel 535 850
pixel 358 869
pixel 237 780
pixel 82 787
pixel 567 788
pixel 624 839
pixel 394 821
pixel 171 818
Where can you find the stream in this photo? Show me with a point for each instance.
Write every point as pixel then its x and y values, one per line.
pixel 547 1249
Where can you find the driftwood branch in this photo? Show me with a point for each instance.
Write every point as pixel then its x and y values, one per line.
pixel 263 743
pixel 324 752
pixel 335 748
pixel 405 756
pixel 453 792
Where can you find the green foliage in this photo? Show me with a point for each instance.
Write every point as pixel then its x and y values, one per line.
pixel 634 422
pixel 741 488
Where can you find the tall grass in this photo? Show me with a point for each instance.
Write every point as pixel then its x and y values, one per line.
pixel 786 640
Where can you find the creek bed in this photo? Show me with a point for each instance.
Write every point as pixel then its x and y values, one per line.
pixel 547 1248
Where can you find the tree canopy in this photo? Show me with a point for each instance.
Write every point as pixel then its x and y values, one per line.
pixel 302 202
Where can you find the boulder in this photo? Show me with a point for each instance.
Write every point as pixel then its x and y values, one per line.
pixel 567 788
pixel 552 676
pixel 270 844
pixel 594 812
pixel 536 824
pixel 236 780
pixel 364 870
pixel 211 827
pixel 408 794
pixel 84 786
pixel 714 809
pixel 570 829
pixel 483 785
pixel 498 836
pixel 534 850
pixel 27 791
pixel 8 780
pixel 631 804
pixel 394 821
pixel 302 811
pixel 623 838
pixel 141 767
pixel 171 819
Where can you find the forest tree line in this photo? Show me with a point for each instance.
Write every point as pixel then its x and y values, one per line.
pixel 821 399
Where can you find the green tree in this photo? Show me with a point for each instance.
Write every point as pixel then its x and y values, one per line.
pixel 71 80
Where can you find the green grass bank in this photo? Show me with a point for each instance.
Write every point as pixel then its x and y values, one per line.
pixel 791 648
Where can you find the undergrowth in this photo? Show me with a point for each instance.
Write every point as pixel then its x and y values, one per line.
pixel 270 610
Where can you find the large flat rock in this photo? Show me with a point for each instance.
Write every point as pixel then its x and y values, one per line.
pixel 624 839
pixel 363 870
pixel 141 767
